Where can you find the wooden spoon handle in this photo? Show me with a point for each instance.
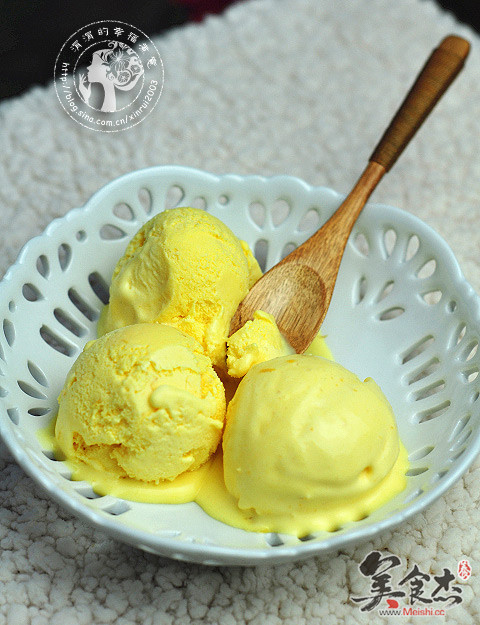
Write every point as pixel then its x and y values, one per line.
pixel 434 79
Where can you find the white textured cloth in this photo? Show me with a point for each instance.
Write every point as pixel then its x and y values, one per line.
pixel 304 87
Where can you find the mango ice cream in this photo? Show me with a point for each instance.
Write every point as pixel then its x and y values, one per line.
pixel 141 402
pixel 306 445
pixel 184 268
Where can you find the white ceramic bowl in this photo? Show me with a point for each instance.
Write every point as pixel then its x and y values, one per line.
pixel 401 313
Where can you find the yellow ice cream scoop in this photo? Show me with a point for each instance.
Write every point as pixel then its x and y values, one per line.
pixel 185 268
pixel 142 402
pixel 257 341
pixel 260 340
pixel 308 446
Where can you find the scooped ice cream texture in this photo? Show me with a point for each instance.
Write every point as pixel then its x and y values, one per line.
pixel 257 341
pixel 184 268
pixel 260 340
pixel 307 445
pixel 142 402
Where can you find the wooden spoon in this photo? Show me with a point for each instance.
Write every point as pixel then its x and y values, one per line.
pixel 297 291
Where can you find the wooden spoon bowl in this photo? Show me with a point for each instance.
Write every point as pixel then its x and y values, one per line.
pixel 298 290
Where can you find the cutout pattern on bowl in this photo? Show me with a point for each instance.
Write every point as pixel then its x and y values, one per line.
pixel 68 322
pixel 43 266
pixel 31 293
pixel 401 313
pixel 64 256
pixel 123 211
